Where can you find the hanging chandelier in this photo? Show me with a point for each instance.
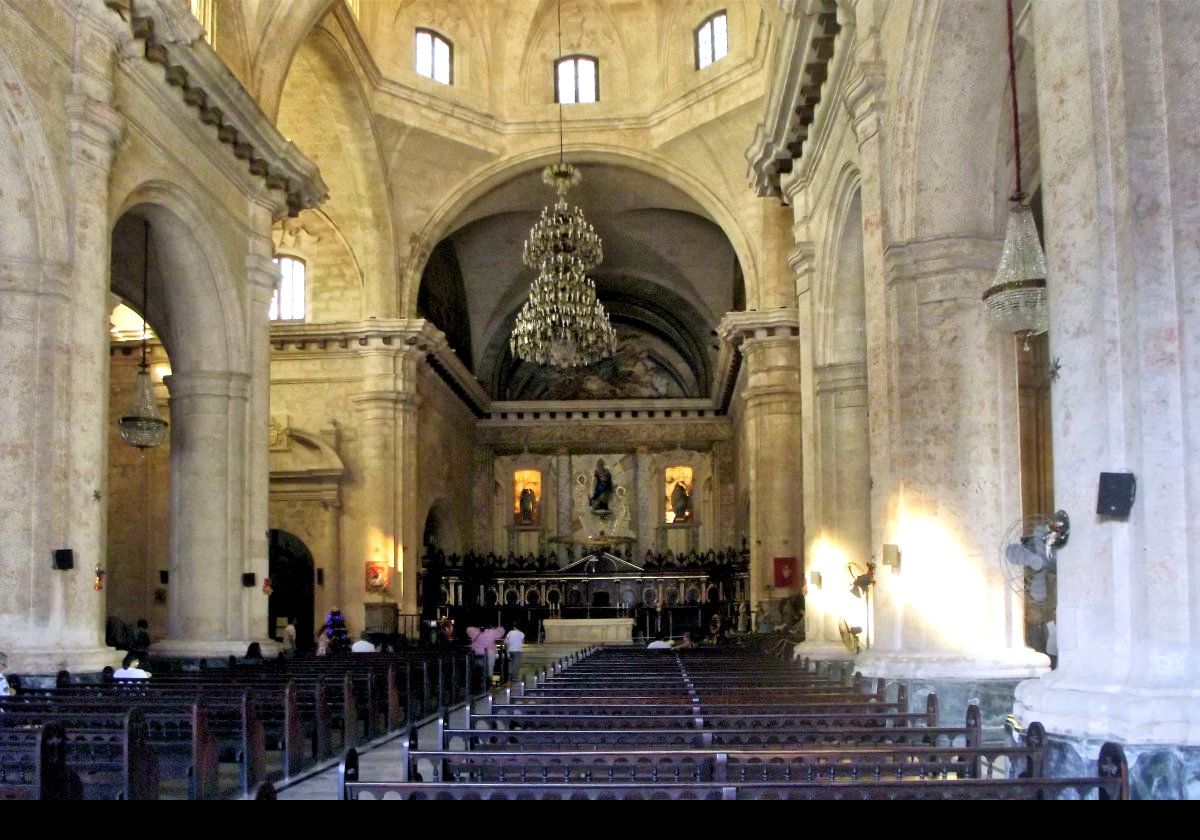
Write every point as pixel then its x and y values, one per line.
pixel 1016 301
pixel 562 324
pixel 141 426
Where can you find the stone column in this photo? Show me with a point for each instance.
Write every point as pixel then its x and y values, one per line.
pixel 771 413
pixel 56 352
pixel 208 497
pixel 262 276
pixel 841 519
pixel 409 555
pixel 566 493
pixel 377 541
pixel 1117 101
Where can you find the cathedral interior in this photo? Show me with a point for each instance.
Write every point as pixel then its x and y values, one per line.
pixel 294 236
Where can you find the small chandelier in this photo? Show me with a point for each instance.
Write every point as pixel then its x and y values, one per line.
pixel 1016 302
pixel 562 324
pixel 141 426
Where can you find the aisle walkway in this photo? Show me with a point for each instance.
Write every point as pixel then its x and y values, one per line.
pixel 380 759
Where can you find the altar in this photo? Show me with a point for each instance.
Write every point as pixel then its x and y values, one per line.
pixel 613 631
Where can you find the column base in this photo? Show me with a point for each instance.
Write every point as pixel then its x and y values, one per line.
pixel 959 680
pixel 29 661
pixel 185 648
pixel 1156 771
pixel 820 650
pixel 1017 664
pixel 1128 714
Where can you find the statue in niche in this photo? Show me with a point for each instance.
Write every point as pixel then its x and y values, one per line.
pixel 602 489
pixel 681 503
pixel 527 503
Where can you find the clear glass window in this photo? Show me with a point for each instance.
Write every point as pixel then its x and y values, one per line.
pixel 576 80
pixel 287 304
pixel 712 40
pixel 434 56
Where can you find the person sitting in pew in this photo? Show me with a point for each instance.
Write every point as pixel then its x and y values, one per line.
pixel 129 669
pixel 5 688
pixel 363 645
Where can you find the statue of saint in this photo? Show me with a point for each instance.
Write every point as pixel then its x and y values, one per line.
pixel 526 502
pixel 602 488
pixel 681 503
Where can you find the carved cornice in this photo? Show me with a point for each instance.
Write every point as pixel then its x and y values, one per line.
pixel 400 335
pixel 173 39
pixel 805 48
pixel 735 329
pixel 594 435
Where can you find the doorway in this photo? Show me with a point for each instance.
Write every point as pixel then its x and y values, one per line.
pixel 292 592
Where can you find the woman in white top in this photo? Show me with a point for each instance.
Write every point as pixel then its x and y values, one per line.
pixel 129 669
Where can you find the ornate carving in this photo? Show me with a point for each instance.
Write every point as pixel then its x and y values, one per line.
pixel 279 434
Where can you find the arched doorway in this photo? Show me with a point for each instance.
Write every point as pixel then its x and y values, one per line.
pixel 292 595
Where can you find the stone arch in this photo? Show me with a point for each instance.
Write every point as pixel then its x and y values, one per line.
pixel 441 526
pixel 288 26
pixel 945 139
pixel 443 218
pixel 30 178
pixel 842 295
pixel 194 298
pixel 360 258
pixel 606 44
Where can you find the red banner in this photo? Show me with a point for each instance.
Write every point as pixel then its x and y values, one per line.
pixel 787 573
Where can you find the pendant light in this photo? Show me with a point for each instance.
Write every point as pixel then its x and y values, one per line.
pixel 1016 301
pixel 141 426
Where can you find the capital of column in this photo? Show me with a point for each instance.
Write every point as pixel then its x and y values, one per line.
pixel 96 129
pixel 802 260
pixel 263 273
pixel 738 328
pixel 862 96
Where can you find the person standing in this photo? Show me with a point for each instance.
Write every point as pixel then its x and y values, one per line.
pixel 514 643
pixel 289 638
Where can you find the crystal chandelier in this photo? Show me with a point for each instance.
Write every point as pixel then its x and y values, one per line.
pixel 141 426
pixel 1016 302
pixel 562 324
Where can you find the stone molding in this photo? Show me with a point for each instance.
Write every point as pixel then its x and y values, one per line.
pixel 806 46
pixel 173 39
pixel 207 383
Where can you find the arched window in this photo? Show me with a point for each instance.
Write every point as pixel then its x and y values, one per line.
pixel 712 40
pixel 576 80
pixel 287 304
pixel 435 57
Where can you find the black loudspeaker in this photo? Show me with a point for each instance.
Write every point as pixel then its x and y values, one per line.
pixel 164 577
pixel 64 558
pixel 320 577
pixel 248 579
pixel 1117 491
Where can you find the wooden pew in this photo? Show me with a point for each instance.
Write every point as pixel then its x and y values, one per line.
pixel 33 764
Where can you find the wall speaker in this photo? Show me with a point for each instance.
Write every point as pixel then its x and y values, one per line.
pixel 1117 491
pixel 320 577
pixel 164 577
pixel 248 579
pixel 64 558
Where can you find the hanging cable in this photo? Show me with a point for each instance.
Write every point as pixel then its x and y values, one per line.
pixel 557 70
pixel 1016 119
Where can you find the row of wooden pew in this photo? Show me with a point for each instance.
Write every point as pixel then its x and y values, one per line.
pixel 215 732
pixel 622 723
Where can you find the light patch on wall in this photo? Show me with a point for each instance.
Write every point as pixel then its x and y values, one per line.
pixel 679 494
pixel 832 597
pixel 527 497
pixel 940 586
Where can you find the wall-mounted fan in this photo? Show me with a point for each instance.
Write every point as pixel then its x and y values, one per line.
pixel 1028 560
pixel 861 578
pixel 850 636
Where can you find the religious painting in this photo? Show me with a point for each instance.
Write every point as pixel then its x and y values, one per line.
pixel 787 573
pixel 527 497
pixel 379 576
pixel 678 485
